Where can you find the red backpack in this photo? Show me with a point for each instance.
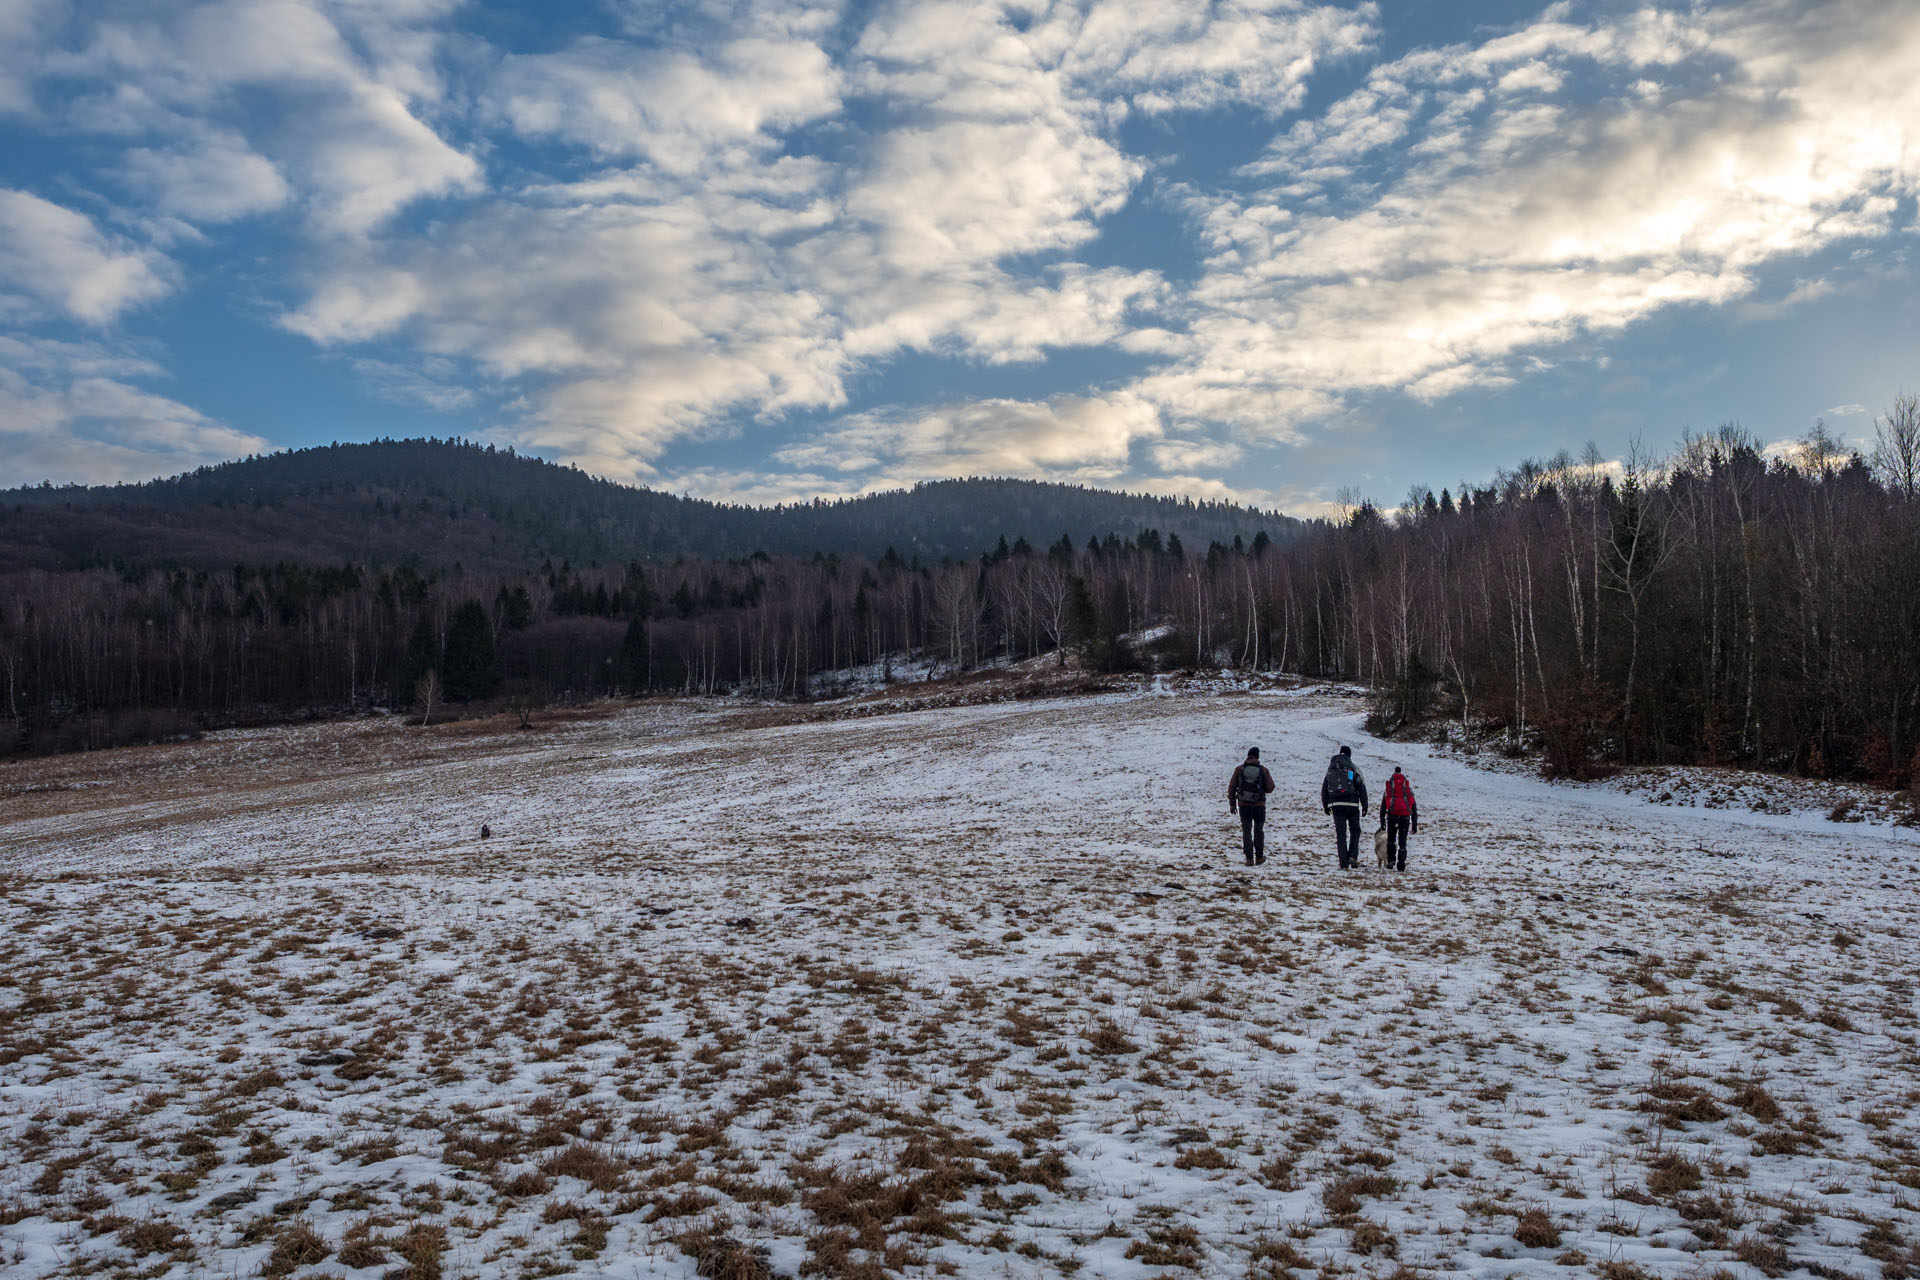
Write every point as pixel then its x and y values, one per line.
pixel 1399 798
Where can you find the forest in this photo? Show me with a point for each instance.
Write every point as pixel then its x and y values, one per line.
pixel 1725 604
pixel 440 504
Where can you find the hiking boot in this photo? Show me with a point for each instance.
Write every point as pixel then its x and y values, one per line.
pixel 1260 860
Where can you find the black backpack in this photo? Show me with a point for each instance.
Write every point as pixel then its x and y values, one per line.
pixel 1341 781
pixel 1251 792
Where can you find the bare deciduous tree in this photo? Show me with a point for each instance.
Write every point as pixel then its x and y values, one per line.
pixel 426 692
pixel 1896 446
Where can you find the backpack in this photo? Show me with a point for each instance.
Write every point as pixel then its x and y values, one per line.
pixel 1341 784
pixel 1251 791
pixel 1399 797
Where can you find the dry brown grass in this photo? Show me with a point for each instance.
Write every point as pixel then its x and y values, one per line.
pixel 1671 1173
pixel 1769 1257
pixel 295 1245
pixel 897 1066
pixel 1342 1197
pixel 718 1256
pixel 1535 1230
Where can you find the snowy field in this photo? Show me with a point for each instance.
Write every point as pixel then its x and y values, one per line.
pixel 971 991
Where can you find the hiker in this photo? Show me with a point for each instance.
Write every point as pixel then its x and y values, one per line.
pixel 1398 809
pixel 1344 795
pixel 1247 792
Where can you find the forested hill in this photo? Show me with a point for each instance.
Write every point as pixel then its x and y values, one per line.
pixel 432 504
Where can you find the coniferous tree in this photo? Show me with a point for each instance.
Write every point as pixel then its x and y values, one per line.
pixel 470 668
pixel 1723 606
pixel 1086 634
pixel 636 658
pixel 514 606
pixel 423 655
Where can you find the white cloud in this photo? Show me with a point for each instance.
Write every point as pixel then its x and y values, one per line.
pixel 346 131
pixel 1208 488
pixel 213 177
pixel 22 30
pixel 1196 455
pixel 758 488
pixel 709 272
pixel 723 214
pixel 1071 438
pixel 431 383
pixel 1543 220
pixel 72 410
pixel 57 256
pixel 1196 57
pixel 671 106
pixel 711 269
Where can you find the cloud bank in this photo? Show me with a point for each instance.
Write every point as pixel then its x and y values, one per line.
pixel 696 224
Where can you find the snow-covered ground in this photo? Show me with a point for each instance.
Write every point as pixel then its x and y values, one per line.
pixel 742 991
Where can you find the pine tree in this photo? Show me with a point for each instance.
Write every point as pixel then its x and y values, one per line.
pixel 514 606
pixel 1085 634
pixel 470 669
pixel 423 655
pixel 636 658
pixel 639 591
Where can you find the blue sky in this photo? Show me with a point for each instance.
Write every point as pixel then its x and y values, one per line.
pixel 772 250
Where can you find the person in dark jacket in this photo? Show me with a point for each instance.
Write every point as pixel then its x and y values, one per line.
pixel 1398 811
pixel 1343 794
pixel 1247 792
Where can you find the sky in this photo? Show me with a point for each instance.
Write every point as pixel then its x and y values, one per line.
pixel 773 250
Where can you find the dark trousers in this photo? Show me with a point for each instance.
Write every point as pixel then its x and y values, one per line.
pixel 1253 832
pixel 1346 833
pixel 1397 841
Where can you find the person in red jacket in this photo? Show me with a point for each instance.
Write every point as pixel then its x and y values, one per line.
pixel 1398 812
pixel 1247 792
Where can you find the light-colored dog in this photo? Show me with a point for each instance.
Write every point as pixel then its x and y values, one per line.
pixel 1380 853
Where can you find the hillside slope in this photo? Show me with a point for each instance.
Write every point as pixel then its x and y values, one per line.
pixel 1011 1017
pixel 436 503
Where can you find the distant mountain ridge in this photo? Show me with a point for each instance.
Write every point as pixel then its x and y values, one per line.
pixel 437 503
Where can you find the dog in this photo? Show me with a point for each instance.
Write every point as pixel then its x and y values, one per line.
pixel 1381 854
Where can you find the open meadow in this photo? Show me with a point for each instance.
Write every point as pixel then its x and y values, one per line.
pixel 739 991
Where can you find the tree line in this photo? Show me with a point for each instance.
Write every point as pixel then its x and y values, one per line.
pixel 437 503
pixel 1724 604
